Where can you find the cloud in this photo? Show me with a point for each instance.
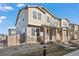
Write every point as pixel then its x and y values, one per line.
pixel 2 18
pixel 0 21
pixel 20 5
pixel 5 7
pixel 8 8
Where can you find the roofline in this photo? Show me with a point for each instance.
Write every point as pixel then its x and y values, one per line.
pixel 33 7
pixel 37 6
pixel 73 24
pixel 65 19
pixel 47 10
pixel 19 13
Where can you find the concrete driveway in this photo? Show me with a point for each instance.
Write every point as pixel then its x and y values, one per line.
pixel 75 53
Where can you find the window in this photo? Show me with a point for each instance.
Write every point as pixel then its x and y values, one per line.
pixel 64 24
pixel 23 19
pixel 39 16
pixel 23 30
pixel 38 31
pixel 48 19
pixel 34 15
pixel 33 31
pixel 56 23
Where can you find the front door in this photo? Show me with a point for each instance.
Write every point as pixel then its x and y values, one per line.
pixel 38 34
pixel 65 35
pixel 22 38
pixel 53 34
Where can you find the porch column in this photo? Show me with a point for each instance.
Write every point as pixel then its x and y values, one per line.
pixel 68 36
pixel 45 35
pixel 61 35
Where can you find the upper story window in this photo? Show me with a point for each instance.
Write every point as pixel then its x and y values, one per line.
pixel 64 24
pixel 34 15
pixel 56 23
pixel 48 19
pixel 39 16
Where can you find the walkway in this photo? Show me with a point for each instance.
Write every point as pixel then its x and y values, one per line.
pixel 75 53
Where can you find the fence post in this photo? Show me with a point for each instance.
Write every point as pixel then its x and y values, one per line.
pixel 44 51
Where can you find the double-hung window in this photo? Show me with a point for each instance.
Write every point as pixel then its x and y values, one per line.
pixel 48 19
pixel 39 16
pixel 34 15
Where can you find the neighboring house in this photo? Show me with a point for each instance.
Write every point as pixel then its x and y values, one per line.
pixel 57 29
pixel 64 25
pixel 12 31
pixel 11 39
pixel 3 39
pixel 78 33
pixel 74 29
pixel 34 24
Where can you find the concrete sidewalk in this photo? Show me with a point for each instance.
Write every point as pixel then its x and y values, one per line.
pixel 75 53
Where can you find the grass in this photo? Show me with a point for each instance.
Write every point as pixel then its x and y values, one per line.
pixel 36 53
pixel 49 52
pixel 52 53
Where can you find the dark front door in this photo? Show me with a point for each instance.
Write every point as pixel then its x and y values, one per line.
pixel 22 38
pixel 38 34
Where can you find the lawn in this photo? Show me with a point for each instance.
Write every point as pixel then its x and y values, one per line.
pixel 59 51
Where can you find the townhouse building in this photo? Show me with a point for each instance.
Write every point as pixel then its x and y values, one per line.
pixel 74 28
pixel 75 31
pixel 35 24
pixel 65 34
pixel 3 41
pixel 78 33
pixel 57 29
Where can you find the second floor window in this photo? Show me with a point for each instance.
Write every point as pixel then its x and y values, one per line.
pixel 34 15
pixel 39 16
pixel 48 19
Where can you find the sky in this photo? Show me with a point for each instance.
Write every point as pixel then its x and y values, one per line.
pixel 9 12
